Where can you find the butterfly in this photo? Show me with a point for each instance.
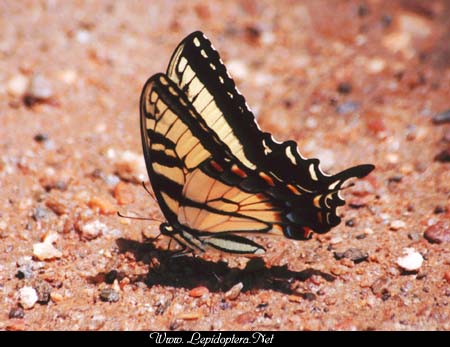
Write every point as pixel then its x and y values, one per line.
pixel 216 175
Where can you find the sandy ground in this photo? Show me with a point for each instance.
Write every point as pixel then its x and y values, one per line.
pixel 351 81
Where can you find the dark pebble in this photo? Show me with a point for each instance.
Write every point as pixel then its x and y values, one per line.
pixel 443 156
pixel 25 272
pixel 361 236
pixel 40 137
pixel 111 276
pixel 174 325
pixel 43 290
pixel 442 117
pixel 438 233
pixel 261 306
pixel 439 210
pixel 354 254
pixel 224 305
pixel 350 223
pixel 347 107
pixel 109 295
pixel 309 296
pixel 344 88
pixel 363 10
pixel 380 286
pixel 395 179
pixel 386 20
pixel 40 213
pixel 16 313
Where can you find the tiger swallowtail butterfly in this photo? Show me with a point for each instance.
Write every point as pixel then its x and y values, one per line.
pixel 216 176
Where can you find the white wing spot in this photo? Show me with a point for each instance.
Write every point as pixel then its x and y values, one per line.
pixel 203 53
pixel 212 66
pixel 333 185
pixel 221 80
pixel 312 172
pixel 197 42
pixel 290 155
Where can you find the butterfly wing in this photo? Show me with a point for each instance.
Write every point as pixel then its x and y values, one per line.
pixel 179 153
pixel 199 72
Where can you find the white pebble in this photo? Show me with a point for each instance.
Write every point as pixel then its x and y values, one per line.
pixel 411 260
pixel 375 65
pixel 238 69
pixel 40 88
pixel 130 166
pixel 234 292
pixel 27 297
pixel 17 85
pixel 336 239
pixel 93 229
pixel 45 251
pixel 397 225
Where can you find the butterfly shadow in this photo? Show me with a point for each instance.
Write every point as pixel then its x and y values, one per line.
pixel 184 271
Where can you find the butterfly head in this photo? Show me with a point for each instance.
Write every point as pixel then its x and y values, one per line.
pixel 166 229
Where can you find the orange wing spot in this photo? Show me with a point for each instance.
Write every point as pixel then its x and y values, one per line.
pixel 307 232
pixel 267 178
pixel 216 166
pixel 293 189
pixel 319 217
pixel 237 171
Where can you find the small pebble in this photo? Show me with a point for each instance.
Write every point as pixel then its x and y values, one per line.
pixel 109 295
pixel 56 297
pixel 123 194
pixel 295 298
pixel 25 272
pixel 336 239
pixel 344 88
pixel 190 316
pixel 439 232
pixel 443 156
pixel 43 290
pixel 234 292
pixel 354 254
pixel 198 292
pixel 411 260
pixel 57 206
pixel 375 65
pixel 16 313
pixel 347 107
pixel 245 318
pixel 27 297
pixel 102 205
pixel 397 225
pixel 439 210
pixel 380 286
pixel 45 251
pixel 40 137
pixel 40 213
pixel 447 276
pixel 442 117
pixel 92 230
pixel 129 166
pixel 38 90
pixel 17 85
pixel 350 223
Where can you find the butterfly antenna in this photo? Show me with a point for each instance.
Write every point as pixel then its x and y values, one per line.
pixel 149 192
pixel 139 218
